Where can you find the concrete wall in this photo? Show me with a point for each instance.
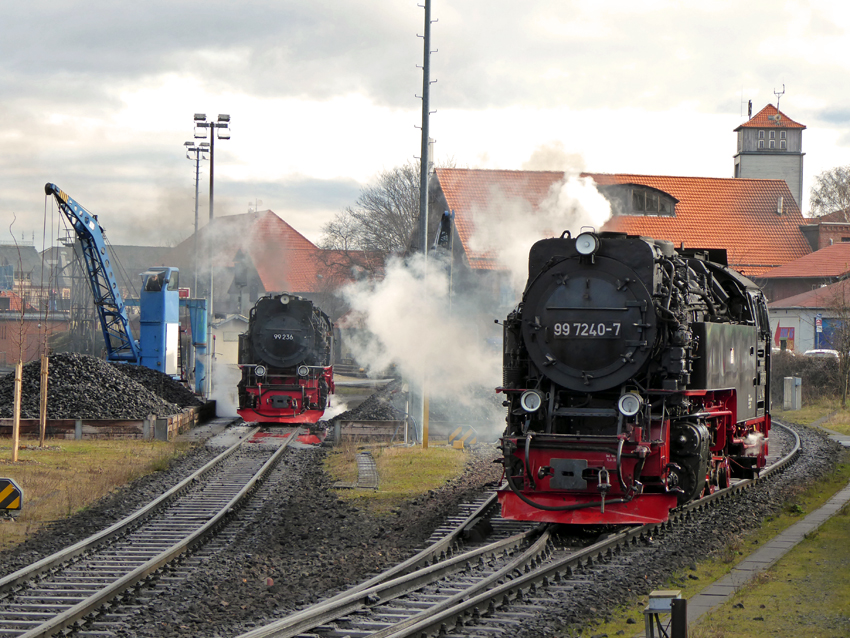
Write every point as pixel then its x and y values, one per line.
pixel 773 165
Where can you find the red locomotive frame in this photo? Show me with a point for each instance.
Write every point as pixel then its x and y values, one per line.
pixel 651 451
pixel 288 399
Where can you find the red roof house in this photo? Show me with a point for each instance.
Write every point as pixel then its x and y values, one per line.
pixel 757 221
pixel 258 253
pixel 825 266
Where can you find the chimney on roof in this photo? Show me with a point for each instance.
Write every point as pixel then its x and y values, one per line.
pixel 779 206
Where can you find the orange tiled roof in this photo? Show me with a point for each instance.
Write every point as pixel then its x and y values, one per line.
pixel 823 297
pixel 837 217
pixel 285 260
pixel 832 261
pixel 736 214
pixel 766 118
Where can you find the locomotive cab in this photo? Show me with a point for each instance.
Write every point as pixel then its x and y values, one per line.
pixel 633 373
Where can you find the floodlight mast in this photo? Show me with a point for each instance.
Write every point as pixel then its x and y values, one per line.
pixel 222 132
pixel 199 151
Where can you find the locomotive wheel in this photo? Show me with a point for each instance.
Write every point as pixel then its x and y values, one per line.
pixel 724 475
pixel 684 479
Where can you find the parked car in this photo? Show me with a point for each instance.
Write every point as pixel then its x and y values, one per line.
pixel 821 353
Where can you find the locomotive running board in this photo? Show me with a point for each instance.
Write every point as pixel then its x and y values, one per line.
pixel 646 508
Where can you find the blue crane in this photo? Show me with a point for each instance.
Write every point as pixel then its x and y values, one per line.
pixel 159 302
pixel 120 344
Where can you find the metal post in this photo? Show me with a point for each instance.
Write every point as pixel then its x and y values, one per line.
pixel 424 154
pixel 210 256
pixel 195 237
pixel 679 618
pixel 420 402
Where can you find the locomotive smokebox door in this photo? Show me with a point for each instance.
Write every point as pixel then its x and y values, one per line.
pixel 589 327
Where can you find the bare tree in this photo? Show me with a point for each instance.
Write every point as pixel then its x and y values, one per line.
pixel 383 217
pixel 831 192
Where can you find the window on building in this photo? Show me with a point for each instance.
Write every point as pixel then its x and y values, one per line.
pixel 782 135
pixel 772 144
pixel 637 199
pixel 761 143
pixel 843 239
pixel 773 135
pixel 783 144
pixel 761 135
pixel 652 202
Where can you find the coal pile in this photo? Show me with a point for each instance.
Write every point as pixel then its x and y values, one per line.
pixel 161 385
pixel 385 405
pixel 82 387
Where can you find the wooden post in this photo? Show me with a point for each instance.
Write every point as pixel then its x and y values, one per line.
pixel 42 428
pixel 425 410
pixel 16 422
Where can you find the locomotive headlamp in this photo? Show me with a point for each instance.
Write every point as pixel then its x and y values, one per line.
pixel 303 371
pixel 630 404
pixel 587 244
pixel 260 371
pixel 284 299
pixel 531 400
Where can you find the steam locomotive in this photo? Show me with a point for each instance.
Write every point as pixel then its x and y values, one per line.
pixel 286 358
pixel 636 378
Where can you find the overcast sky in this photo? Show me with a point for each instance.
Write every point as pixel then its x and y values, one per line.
pixel 98 97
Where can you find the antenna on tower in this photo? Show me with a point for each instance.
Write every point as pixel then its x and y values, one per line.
pixel 779 95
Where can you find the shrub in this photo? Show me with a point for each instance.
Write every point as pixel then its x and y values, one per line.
pixel 820 376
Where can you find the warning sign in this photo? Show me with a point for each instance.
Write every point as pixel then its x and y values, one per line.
pixel 11 496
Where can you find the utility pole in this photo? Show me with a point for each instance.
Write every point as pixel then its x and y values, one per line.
pixel 420 403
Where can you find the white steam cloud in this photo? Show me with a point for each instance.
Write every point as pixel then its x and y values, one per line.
pixel 225 378
pixel 337 407
pixel 410 320
pixel 508 228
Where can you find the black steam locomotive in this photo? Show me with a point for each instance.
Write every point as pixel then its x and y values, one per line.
pixel 637 378
pixel 286 358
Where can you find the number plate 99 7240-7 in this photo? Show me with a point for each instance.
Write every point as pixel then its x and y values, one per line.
pixel 586 330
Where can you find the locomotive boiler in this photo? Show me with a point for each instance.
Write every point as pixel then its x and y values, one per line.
pixel 636 378
pixel 286 359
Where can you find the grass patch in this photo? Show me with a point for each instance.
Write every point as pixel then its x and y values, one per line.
pixel 692 581
pixel 66 476
pixel 810 412
pixel 807 592
pixel 405 472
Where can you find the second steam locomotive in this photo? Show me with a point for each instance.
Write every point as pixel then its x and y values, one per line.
pixel 286 358
pixel 636 377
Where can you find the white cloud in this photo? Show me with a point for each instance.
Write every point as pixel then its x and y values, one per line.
pixel 324 93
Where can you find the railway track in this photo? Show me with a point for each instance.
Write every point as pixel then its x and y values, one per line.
pixel 60 590
pixel 440 590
